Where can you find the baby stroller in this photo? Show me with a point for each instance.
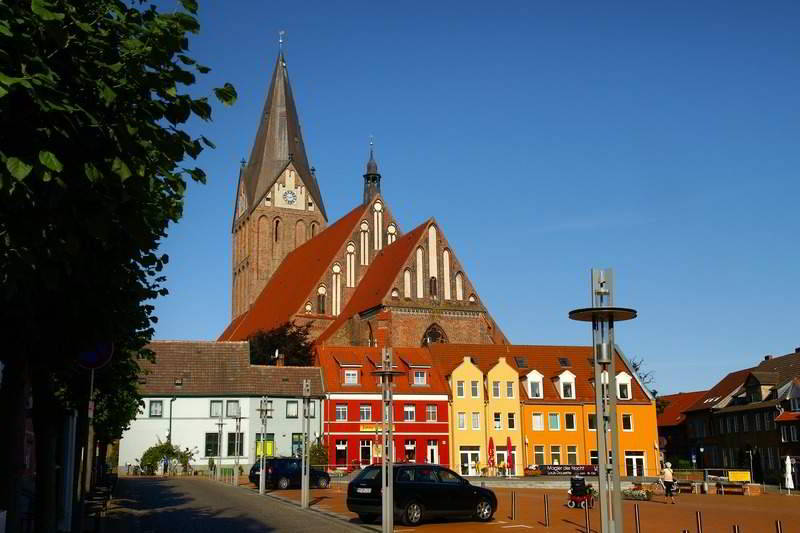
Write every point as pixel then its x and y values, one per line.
pixel 579 493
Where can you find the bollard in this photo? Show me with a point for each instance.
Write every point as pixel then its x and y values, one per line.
pixel 684 531
pixel 587 519
pixel 735 528
pixel 637 520
pixel 546 512
pixel 513 505
pixel 778 526
pixel 699 517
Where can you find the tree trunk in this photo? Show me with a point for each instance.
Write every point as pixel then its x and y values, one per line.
pixel 12 445
pixel 102 455
pixel 77 480
pixel 45 412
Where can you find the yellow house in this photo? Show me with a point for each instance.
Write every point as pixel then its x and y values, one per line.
pixel 503 418
pixel 467 418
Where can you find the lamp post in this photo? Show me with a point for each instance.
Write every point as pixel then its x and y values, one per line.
pixel 304 462
pixel 602 315
pixel 263 412
pixel 169 435
pixel 386 375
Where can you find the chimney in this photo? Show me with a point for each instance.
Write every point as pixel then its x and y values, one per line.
pixel 767 357
pixel 279 361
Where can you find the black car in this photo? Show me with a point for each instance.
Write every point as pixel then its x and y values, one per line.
pixel 420 491
pixel 284 472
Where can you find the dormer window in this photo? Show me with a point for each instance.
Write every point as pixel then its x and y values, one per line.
pixel 566 385
pixel 623 386
pixel 535 385
pixel 351 377
pixel 419 377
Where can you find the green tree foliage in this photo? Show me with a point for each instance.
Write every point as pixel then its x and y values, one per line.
pixel 155 455
pixel 94 165
pixel 289 339
pixel 319 454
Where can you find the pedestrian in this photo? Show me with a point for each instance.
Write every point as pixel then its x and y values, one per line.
pixel 669 483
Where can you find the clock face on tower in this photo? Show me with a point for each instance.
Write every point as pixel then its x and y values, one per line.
pixel 290 197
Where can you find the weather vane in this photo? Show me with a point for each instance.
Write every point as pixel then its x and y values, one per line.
pixel 280 39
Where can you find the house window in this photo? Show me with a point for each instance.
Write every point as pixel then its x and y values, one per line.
pixel 291 409
pixel 592 422
pixel 757 418
pixel 745 422
pixel 569 421
pixel 538 422
pixel 538 454
pixel 794 433
pixel 265 445
pixel 509 389
pixel 627 422
pixel 460 389
pixel 535 388
pixel 476 421
pixel 365 413
pixel 784 434
pixel 495 389
pixel 156 408
pixel 235 444
pixel 419 377
pixel 554 424
pixel 321 300
pixel 566 390
pixel 351 377
pixel 430 413
pixel 341 412
pixel 498 421
pixel 212 444
pixel 624 391
pixel 593 460
pixel 512 423
pixel 555 455
pixel 297 448
pixel 232 408
pixel 408 413
pixel 366 452
pixel 462 420
pixel 572 455
pixel 474 389
pixel 215 410
pixel 794 404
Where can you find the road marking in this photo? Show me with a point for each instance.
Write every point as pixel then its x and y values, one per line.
pixel 518 525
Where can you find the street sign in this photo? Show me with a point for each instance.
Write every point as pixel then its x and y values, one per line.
pixel 96 356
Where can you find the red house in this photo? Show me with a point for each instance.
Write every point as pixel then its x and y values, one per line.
pixel 352 406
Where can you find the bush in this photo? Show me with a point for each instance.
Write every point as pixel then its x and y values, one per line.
pixel 319 454
pixel 154 455
pixel 637 494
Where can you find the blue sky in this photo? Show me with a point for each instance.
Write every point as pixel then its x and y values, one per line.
pixel 546 138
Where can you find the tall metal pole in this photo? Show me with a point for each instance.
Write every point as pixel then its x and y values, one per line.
pixel 263 411
pixel 236 443
pixel 602 315
pixel 386 374
pixel 304 482
pixel 218 474
pixel 89 458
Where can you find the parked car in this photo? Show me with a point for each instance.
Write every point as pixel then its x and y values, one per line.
pixel 284 472
pixel 420 492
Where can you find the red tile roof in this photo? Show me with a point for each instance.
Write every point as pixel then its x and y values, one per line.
pixel 543 359
pixel 788 416
pixel 369 358
pixel 721 390
pixel 377 282
pixel 298 274
pixel 208 368
pixel 675 404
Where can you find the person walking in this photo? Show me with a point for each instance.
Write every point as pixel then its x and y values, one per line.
pixel 669 483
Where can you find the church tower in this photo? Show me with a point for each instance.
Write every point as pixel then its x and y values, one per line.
pixel 372 180
pixel 278 201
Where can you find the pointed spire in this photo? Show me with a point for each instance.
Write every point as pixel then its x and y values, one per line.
pixel 372 180
pixel 278 142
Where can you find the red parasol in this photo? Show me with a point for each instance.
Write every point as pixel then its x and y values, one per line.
pixel 510 460
pixel 490 460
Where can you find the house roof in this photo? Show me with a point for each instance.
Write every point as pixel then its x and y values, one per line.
pixel 787 367
pixel 719 393
pixel 674 405
pixel 547 360
pixel 788 416
pixel 287 289
pixel 329 358
pixel 378 279
pixel 208 368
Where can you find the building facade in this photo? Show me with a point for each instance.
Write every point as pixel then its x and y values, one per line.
pixel 210 396
pixel 352 407
pixel 673 431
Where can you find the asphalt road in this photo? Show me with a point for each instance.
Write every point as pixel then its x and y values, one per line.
pixel 191 505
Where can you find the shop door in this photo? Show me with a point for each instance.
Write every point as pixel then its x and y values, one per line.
pixel 634 464
pixel 469 456
pixel 433 452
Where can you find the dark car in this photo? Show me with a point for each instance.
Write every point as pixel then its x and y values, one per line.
pixel 420 492
pixel 284 472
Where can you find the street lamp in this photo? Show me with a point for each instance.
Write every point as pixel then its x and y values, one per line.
pixel 386 375
pixel 169 435
pixel 602 315
pixel 263 412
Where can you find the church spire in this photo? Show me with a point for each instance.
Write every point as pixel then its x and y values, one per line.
pixel 278 142
pixel 372 180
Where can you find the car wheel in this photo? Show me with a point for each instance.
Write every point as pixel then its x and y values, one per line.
pixel 584 503
pixel 323 483
pixel 367 518
pixel 283 483
pixel 483 511
pixel 571 504
pixel 413 514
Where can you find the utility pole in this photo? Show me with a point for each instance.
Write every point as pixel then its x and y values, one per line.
pixel 236 442
pixel 263 412
pixel 304 463
pixel 602 315
pixel 386 375
pixel 169 435
pixel 218 475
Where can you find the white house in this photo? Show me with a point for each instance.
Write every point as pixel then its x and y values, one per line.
pixel 194 386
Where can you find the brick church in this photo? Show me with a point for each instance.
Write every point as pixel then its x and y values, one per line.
pixel 360 280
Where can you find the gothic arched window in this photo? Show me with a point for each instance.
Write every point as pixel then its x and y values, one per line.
pixel 433 334
pixel 321 299
pixel 433 287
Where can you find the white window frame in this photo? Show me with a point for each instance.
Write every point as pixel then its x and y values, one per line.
pixel 622 422
pixel 420 377
pixel 498 421
pixel 540 416
pixel 150 410
pixel 588 425
pixel 558 448
pixel 624 378
pixel 474 388
pixel 509 389
pixel 543 452
pixel 409 408
pixel 550 419
pixel 337 412
pixel 512 421
pixel 574 422
pixel 476 421
pixel 462 420
pixel 564 378
pixel 459 389
pixel 351 377
pixel 495 389
pixel 535 377
pixel 573 452
pixel 362 410
pixel 431 407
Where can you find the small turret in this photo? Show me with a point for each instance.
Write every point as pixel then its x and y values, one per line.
pixel 372 180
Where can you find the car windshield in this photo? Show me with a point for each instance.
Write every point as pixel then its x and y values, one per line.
pixel 368 474
pixel 446 476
